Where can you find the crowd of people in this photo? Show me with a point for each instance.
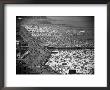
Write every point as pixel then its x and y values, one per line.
pixel 80 60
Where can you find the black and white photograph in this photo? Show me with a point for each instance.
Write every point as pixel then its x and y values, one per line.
pixel 56 45
pixel 51 45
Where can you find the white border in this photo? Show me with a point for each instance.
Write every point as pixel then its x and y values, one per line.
pixel 97 80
